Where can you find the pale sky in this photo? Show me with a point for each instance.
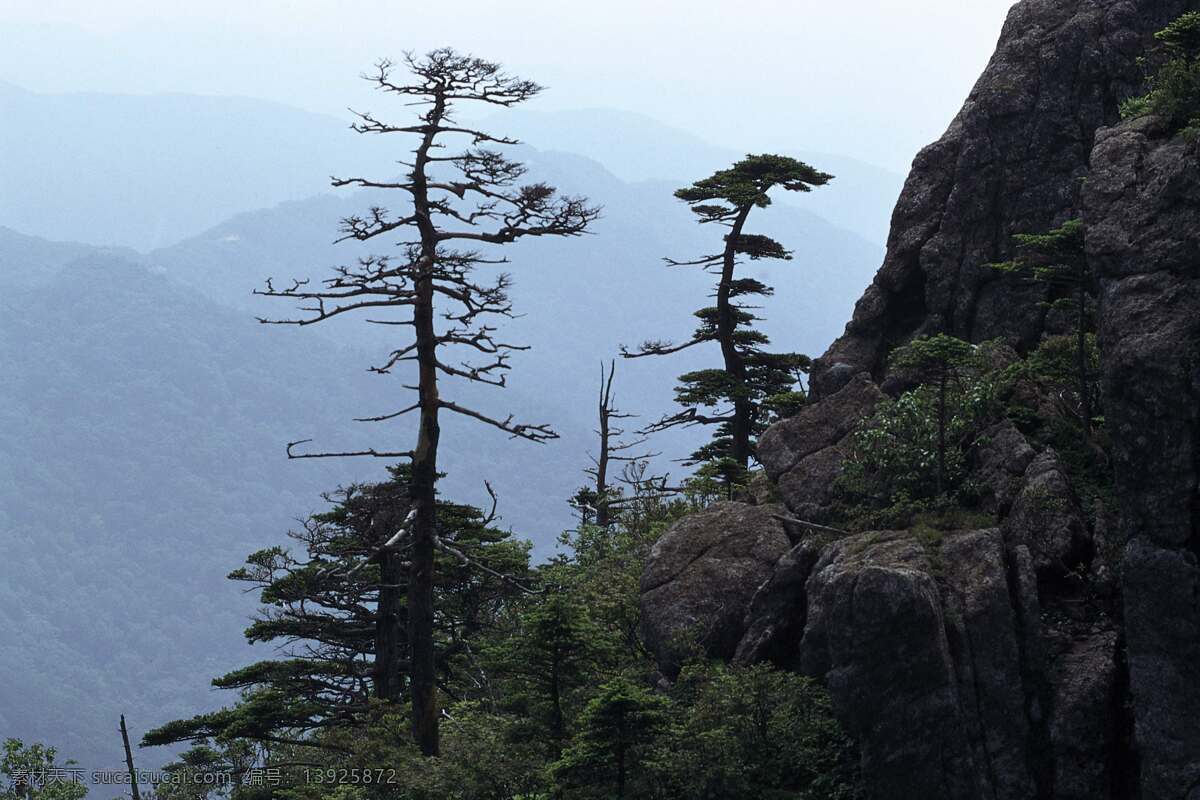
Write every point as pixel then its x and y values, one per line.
pixel 874 79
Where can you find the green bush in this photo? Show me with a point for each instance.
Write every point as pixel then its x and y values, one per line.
pixel 755 732
pixel 892 458
pixel 34 773
pixel 1173 77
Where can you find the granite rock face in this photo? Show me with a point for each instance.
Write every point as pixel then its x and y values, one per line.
pixel 999 461
pixel 1056 655
pixel 926 675
pixel 1012 161
pixel 1046 517
pixel 957 673
pixel 803 455
pixel 876 633
pixel 1142 208
pixel 701 577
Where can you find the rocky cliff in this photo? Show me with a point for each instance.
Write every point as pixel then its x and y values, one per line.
pixel 1142 207
pixel 1012 161
pixel 1053 652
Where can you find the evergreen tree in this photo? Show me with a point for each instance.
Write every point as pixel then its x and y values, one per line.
pixel 471 197
pixel 1057 258
pixel 208 770
pixel 1173 77
pixel 748 733
pixel 552 651
pixel 330 610
pixel 612 752
pixel 938 360
pixel 740 397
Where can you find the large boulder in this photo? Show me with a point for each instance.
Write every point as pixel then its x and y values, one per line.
pixel 701 576
pixel 1085 718
pixel 803 454
pixel 1142 211
pixel 1046 518
pixel 985 635
pixel 921 655
pixel 1012 161
pixel 998 461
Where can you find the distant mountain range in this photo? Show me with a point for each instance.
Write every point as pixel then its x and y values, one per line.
pixel 145 412
pixel 145 171
pixel 635 147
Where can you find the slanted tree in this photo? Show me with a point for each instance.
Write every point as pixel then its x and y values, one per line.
pixel 1057 259
pixel 468 197
pixel 134 789
pixel 740 396
pixel 326 607
pixel 938 360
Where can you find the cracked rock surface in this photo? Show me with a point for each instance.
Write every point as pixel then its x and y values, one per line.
pixel 1012 161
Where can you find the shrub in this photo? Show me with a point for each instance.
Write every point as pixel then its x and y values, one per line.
pixel 1173 77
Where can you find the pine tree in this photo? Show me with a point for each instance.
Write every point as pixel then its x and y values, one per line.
pixel 740 397
pixel 465 198
pixel 938 360
pixel 1058 259
pixel 1173 77
pixel 542 662
pixel 611 754
pixel 330 610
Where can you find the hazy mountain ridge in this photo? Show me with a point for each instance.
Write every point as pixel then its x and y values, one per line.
pixel 143 395
pixel 147 170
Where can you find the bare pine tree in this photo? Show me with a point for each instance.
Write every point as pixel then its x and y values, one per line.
pixel 461 192
pixel 598 501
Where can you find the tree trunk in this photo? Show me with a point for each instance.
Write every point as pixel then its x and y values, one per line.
pixel 726 327
pixel 941 453
pixel 133 782
pixel 1081 365
pixel 422 669
pixel 420 586
pixel 602 461
pixel 388 654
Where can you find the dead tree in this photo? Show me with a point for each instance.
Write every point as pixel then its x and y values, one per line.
pixel 457 196
pixel 612 449
pixel 133 781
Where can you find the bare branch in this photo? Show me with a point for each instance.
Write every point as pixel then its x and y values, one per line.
pixel 534 433
pixel 467 561
pixel 368 452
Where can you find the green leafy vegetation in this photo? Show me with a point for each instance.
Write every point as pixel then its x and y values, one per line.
pixel 34 773
pixel 1173 77
pixel 890 474
pixel 1058 259
pixel 910 456
pixel 549 689
pixel 337 599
